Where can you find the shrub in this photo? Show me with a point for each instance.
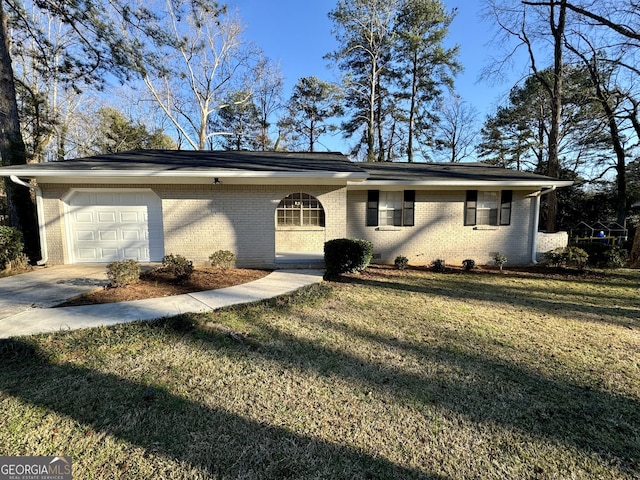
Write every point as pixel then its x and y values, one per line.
pixel 499 259
pixel 556 257
pixel 596 252
pixel 346 255
pixel 616 257
pixel 401 262
pixel 577 256
pixel 603 255
pixel 223 259
pixel 178 266
pixel 123 272
pixel 10 246
pixel 469 264
pixel 21 262
pixel 574 256
pixel 439 265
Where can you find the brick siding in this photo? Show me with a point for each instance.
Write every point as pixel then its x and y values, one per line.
pixel 439 231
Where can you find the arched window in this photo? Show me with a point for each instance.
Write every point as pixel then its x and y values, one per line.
pixel 300 210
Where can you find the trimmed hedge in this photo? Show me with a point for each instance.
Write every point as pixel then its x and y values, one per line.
pixel 123 272
pixel 346 255
pixel 223 259
pixel 178 266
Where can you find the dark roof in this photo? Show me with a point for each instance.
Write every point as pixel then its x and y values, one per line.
pixel 167 164
pixel 422 172
pixel 189 160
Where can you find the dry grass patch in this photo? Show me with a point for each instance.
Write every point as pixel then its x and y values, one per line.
pixel 383 375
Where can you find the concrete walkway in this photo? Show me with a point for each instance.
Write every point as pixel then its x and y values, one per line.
pixel 44 320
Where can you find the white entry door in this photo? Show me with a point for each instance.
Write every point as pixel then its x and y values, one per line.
pixel 109 226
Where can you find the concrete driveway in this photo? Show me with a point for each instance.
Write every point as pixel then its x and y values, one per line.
pixel 48 286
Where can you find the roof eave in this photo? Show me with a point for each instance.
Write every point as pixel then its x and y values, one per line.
pixel 462 184
pixel 185 177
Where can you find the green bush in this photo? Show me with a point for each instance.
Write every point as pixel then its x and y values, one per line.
pixel 11 246
pixel 596 251
pixel 401 262
pixel 499 259
pixel 439 265
pixel 178 266
pixel 223 259
pixel 346 255
pixel 616 257
pixel 574 256
pixel 577 256
pixel 469 264
pixel 123 272
pixel 604 255
pixel 556 257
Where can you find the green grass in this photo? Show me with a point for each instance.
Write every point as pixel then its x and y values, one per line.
pixel 382 376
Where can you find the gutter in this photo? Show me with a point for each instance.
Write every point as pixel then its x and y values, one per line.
pixel 536 220
pixel 42 233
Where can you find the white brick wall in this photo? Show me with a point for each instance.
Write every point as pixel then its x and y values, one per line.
pixel 550 241
pixel 200 219
pixel 439 231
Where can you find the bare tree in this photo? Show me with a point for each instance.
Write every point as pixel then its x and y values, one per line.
pixel 456 131
pixel 192 71
pixel 530 23
pixel 267 96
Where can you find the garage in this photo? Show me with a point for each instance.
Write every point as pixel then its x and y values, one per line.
pixel 104 226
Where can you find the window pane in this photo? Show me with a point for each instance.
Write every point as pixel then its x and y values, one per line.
pixel 390 208
pixel 487 209
pixel 300 209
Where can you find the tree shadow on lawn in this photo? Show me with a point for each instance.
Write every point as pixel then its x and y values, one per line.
pixel 488 390
pixel 225 445
pixel 463 286
pixel 484 390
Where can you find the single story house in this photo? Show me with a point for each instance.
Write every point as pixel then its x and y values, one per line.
pixel 272 208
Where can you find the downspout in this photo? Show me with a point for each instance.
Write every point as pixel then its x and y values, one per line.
pixel 536 220
pixel 42 233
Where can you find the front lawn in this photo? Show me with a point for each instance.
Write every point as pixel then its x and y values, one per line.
pixel 385 375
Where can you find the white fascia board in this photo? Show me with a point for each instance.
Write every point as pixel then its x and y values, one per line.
pixel 186 177
pixel 458 184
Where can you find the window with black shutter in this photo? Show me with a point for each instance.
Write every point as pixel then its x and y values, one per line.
pixel 390 208
pixel 488 207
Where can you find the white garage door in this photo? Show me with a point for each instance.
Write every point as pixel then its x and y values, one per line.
pixel 108 226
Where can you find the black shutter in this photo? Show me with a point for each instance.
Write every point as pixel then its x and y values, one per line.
pixel 505 207
pixel 470 207
pixel 408 208
pixel 373 199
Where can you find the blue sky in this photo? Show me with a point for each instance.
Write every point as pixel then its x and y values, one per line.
pixel 297 34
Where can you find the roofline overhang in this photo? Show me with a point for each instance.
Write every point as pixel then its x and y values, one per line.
pixel 461 184
pixel 200 177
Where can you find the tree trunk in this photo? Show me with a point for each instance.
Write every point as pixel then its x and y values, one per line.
pixel 412 106
pixel 553 165
pixel 12 150
pixel 371 154
pixel 634 258
pixel 379 120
